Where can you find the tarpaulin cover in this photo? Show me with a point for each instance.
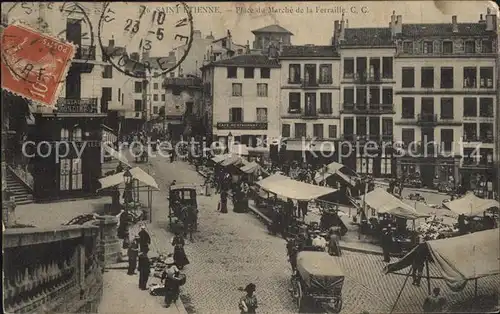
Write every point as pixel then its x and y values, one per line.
pixel 250 167
pixel 220 158
pixel 115 154
pixel 289 188
pixel 231 160
pixel 137 173
pixel 471 205
pixel 319 269
pixel 334 169
pixel 459 259
pixel 386 203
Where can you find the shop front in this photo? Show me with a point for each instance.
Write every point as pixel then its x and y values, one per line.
pixel 250 134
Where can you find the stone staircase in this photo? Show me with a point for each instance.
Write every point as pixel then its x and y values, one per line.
pixel 20 193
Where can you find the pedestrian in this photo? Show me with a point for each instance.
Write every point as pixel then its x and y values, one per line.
pixel 248 303
pixel 144 270
pixel 223 201
pixel 171 277
pixel 144 240
pixel 386 243
pixel 133 252
pixel 180 257
pixel 303 209
pixel 434 303
pixel 333 243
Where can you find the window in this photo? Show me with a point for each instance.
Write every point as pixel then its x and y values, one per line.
pixel 310 104
pixel 361 97
pixel 486 107
pixel 155 97
pixel 138 87
pixel 374 95
pixel 408 75
pixel 232 72
pixel 325 74
pixel 408 136
pixel 294 102
pixel 249 72
pixel 285 130
pixel 237 92
pixel 487 46
pixel 138 105
pixel 318 131
pixel 447 108
pixel 387 126
pixel 427 77
pixel 486 77
pixel 447 139
pixel 326 103
pixel 235 115
pixel 64 134
pixel 155 86
pixel 407 47
pixel 262 90
pixel 265 73
pixel 172 74
pixel 70 174
pixel 155 109
pixel 428 47
pixel 261 114
pixel 387 96
pixel 446 77
pixel 108 72
pixel 294 73
pixel 162 97
pixel 300 130
pixel 470 131
pixel 470 46
pixel 387 67
pixel 176 90
pixel 348 67
pixel 332 131
pixel 123 98
pixel 408 107
pixel 310 74
pixel 470 75
pixel 447 47
pixel 348 95
pixel 119 94
pixel 470 107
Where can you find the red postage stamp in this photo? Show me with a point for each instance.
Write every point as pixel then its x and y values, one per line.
pixel 34 65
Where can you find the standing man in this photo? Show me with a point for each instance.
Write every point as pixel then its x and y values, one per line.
pixel 144 270
pixel 133 252
pixel 386 242
pixel 223 201
pixel 434 303
pixel 144 240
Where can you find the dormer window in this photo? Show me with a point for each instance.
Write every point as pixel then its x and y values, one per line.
pixel 224 43
pixel 428 48
pixel 407 47
pixel 447 47
pixel 487 46
pixel 470 46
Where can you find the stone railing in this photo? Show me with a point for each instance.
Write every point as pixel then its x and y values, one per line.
pixel 52 271
pixel 23 174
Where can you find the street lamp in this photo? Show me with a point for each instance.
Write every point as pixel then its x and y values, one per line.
pixel 229 141
pixel 127 198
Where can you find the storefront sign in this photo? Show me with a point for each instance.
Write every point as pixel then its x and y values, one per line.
pixel 242 125
pixel 174 117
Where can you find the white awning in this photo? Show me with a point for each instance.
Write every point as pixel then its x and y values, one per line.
pixel 471 205
pixel 289 188
pixel 137 173
pixel 115 154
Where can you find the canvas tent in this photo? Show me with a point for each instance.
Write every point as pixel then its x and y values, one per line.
pixel 289 188
pixel 335 168
pixel 220 158
pixel 232 159
pixel 386 203
pixel 471 205
pixel 115 154
pixel 251 167
pixel 137 173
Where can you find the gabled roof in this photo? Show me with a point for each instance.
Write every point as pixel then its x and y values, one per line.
pixel 308 51
pixel 247 61
pixel 367 36
pixel 275 28
pixel 443 29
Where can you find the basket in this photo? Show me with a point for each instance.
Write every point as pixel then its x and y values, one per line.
pixel 182 279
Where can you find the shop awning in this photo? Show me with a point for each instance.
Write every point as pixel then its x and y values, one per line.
pixel 137 173
pixel 386 203
pixel 115 154
pixel 289 188
pixel 231 160
pixel 458 259
pixel 471 205
pixel 309 145
pixel 250 167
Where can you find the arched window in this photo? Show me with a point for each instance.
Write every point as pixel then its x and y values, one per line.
pixel 64 134
pixel 77 133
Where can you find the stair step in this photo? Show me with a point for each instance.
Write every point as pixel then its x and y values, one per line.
pixel 24 202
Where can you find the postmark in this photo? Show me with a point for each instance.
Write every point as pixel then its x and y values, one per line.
pixel 33 64
pixel 69 15
pixel 145 28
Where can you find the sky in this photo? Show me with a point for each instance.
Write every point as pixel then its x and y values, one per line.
pixel 310 22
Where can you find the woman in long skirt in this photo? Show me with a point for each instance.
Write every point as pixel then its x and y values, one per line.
pixel 180 257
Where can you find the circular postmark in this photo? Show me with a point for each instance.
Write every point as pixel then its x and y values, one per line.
pixel 76 29
pixel 143 28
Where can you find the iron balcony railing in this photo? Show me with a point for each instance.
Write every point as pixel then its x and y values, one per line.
pixel 82 105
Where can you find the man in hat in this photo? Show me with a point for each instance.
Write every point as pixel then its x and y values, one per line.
pixel 144 270
pixel 171 277
pixel 144 240
pixel 133 252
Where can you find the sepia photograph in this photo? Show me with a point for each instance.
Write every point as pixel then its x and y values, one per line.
pixel 250 157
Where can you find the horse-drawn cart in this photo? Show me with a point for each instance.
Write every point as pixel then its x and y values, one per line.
pixel 183 206
pixel 317 283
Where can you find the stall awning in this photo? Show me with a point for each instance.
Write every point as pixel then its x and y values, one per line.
pixel 239 149
pixel 220 158
pixel 231 160
pixel 471 205
pixel 386 203
pixel 250 167
pixel 458 259
pixel 137 173
pixel 335 168
pixel 115 154
pixel 286 187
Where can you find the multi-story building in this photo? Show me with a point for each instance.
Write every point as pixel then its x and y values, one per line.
pixel 310 100
pixel 271 34
pixel 366 97
pixel 194 59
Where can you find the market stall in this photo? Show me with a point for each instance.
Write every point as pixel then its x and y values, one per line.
pixel 458 259
pixel 474 213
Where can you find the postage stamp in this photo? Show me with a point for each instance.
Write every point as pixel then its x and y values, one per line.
pixel 143 27
pixel 34 64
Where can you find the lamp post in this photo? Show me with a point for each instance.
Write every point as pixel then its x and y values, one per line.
pixel 127 199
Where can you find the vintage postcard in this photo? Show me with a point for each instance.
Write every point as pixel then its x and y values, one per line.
pixel 252 157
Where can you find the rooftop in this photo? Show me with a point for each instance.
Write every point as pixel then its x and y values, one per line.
pixel 308 51
pixel 443 29
pixel 247 60
pixel 275 28
pixel 368 36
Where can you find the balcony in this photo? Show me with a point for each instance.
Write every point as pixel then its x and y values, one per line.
pixel 368 108
pixel 296 81
pixel 375 78
pixel 427 119
pixel 309 84
pixel 83 105
pixel 360 78
pixel 471 162
pixel 83 55
pixel 310 114
pixel 348 137
pixel 182 82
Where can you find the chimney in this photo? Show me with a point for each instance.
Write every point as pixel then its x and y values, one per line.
pixel 454 24
pixel 112 42
pixel 247 47
pixel 393 19
pixel 229 40
pixel 342 28
pixel 211 37
pixel 346 23
pixel 397 24
pixel 145 55
pixel 491 21
pixel 196 34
